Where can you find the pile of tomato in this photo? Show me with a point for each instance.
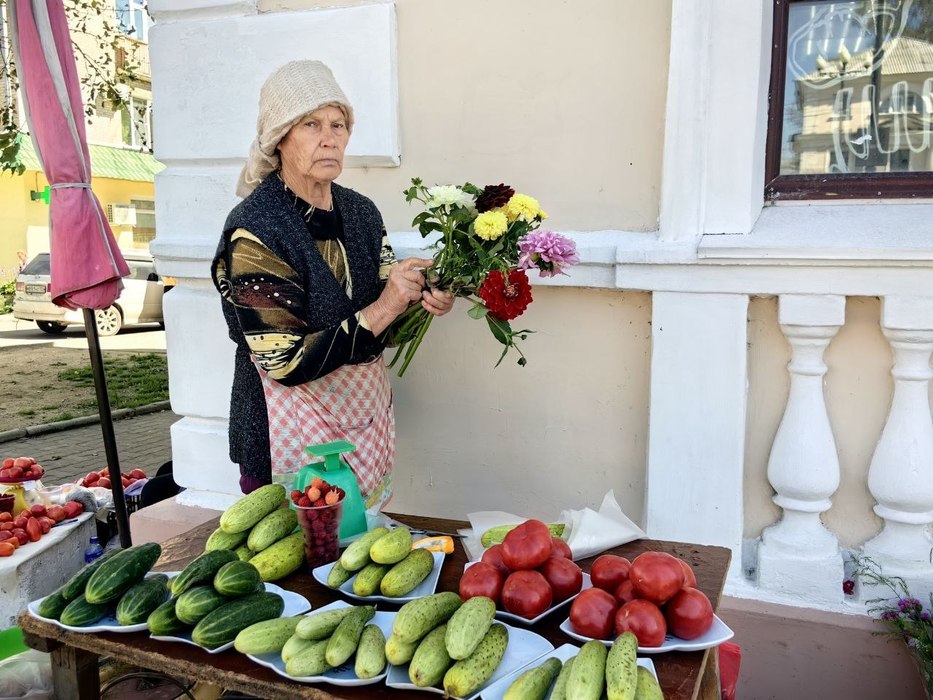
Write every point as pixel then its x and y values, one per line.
pixel 31 524
pixel 650 596
pixel 527 574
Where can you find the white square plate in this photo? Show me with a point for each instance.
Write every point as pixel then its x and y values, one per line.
pixel 343 674
pixel 295 604
pixel 505 615
pixel 424 588
pixel 496 691
pixel 523 646
pixel 718 633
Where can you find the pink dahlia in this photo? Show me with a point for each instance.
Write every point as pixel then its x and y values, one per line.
pixel 547 251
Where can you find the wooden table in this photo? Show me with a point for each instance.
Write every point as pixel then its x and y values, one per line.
pixel 683 675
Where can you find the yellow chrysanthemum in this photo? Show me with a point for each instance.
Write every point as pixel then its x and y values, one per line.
pixel 490 225
pixel 523 207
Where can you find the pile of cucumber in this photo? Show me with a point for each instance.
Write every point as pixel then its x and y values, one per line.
pixel 312 644
pixel 215 597
pixel 592 674
pixel 260 528
pixel 383 563
pixel 115 583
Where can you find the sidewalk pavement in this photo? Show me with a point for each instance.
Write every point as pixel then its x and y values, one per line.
pixel 143 442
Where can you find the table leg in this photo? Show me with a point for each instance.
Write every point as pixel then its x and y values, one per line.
pixel 75 674
pixel 710 687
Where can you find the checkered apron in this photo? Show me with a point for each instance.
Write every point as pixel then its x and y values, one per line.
pixel 352 403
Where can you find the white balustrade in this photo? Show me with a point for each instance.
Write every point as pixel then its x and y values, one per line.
pixel 798 555
pixel 901 473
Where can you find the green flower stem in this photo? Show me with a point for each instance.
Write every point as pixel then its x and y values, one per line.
pixel 415 343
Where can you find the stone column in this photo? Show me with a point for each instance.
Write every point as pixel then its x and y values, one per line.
pixel 798 554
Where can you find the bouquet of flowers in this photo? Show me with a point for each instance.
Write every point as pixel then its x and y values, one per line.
pixel 904 616
pixel 488 239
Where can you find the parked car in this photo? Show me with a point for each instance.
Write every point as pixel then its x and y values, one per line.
pixel 139 302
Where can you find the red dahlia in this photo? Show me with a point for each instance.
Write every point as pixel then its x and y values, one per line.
pixel 506 298
pixel 493 196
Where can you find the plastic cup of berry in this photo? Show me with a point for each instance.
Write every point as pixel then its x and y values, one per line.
pixel 319 510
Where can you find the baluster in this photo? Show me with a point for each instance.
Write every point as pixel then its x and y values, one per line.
pixel 798 554
pixel 901 473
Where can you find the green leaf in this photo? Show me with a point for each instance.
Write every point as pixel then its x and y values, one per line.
pixel 477 312
pixel 501 330
pixel 427 227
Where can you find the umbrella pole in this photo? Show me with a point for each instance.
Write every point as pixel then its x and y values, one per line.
pixel 106 426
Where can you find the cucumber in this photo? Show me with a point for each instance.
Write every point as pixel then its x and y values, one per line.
pixel 75 585
pixel 309 661
pixel 163 620
pixel 431 660
pixel 284 557
pixel 495 535
pixel 266 637
pixel 588 676
pixel 468 675
pixel 252 508
pixel 560 685
pixel 222 625
pixel 418 617
pixel 346 637
pixel 621 665
pixel 138 602
pixel 337 576
pixel 80 613
pixel 295 644
pixel 120 573
pixel 321 625
pixel 202 569
pixel 405 576
pixel 392 548
pixel 647 688
pixel 370 653
pixel 469 625
pixel 534 683
pixel 368 579
pixel 52 605
pixel 195 603
pixel 224 540
pixel 399 653
pixel 271 529
pixel 243 552
pixel 356 556
pixel 236 578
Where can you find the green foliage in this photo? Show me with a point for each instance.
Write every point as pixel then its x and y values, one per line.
pixel 7 292
pixel 134 380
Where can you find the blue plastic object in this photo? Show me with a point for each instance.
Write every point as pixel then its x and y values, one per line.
pixel 335 472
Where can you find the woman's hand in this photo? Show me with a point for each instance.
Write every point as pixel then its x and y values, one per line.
pixel 437 301
pixel 404 286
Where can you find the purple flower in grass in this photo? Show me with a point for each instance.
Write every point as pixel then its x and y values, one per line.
pixel 547 251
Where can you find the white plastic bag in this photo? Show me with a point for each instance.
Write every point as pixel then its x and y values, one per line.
pixel 26 675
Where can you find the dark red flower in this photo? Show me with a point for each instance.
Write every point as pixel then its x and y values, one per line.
pixel 493 196
pixel 506 299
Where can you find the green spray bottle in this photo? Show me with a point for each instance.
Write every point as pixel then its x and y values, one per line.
pixel 336 472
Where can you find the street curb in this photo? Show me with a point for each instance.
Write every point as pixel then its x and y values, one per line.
pixel 44 428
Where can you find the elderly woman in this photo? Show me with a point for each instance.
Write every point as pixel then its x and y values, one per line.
pixel 310 287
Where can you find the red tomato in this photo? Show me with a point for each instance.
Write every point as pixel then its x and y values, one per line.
pixel 45 525
pixel 564 577
pixel 103 482
pixel 16 473
pixel 21 535
pixel 625 592
pixel 104 472
pixel 526 593
pixel 656 576
pixel 91 478
pixel 481 579
pixel 137 474
pixel 6 517
pixel 57 513
pixel 20 522
pixel 38 510
pixel 559 548
pixel 643 619
pixel 689 613
pixel 6 549
pixel 527 546
pixel 7 463
pixel 21 462
pixel 609 570
pixel 34 530
pixel 73 509
pixel 6 526
pixel 5 535
pixel 592 613
pixel 690 579
pixel 493 556
pixel 4 473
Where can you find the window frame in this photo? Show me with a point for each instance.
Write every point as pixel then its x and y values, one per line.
pixel 821 186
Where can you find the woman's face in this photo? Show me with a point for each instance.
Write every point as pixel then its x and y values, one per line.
pixel 314 147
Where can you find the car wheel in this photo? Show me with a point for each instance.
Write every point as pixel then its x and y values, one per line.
pixel 51 327
pixel 109 321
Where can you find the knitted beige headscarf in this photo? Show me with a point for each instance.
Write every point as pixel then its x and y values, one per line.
pixel 291 92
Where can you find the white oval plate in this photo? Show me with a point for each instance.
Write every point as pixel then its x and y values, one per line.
pixel 295 604
pixel 108 623
pixel 505 615
pixel 718 633
pixel 496 691
pixel 424 588
pixel 341 675
pixel 523 646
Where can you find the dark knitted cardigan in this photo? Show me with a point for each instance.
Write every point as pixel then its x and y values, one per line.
pixel 268 213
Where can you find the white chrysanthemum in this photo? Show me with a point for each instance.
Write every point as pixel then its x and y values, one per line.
pixel 448 195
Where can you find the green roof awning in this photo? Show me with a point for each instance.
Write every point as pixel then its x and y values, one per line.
pixel 106 161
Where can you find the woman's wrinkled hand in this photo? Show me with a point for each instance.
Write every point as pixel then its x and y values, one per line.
pixel 437 301
pixel 405 285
